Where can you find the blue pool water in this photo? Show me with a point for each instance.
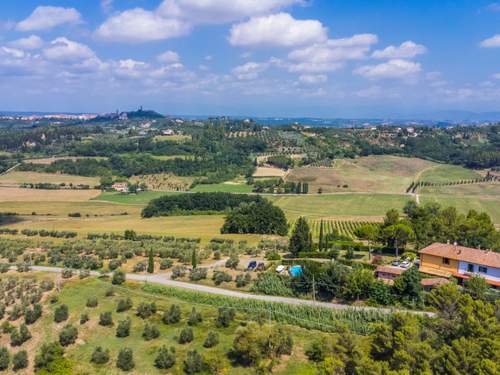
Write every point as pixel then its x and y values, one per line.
pixel 295 271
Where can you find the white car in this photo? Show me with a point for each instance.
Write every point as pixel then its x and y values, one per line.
pixel 280 268
pixel 405 264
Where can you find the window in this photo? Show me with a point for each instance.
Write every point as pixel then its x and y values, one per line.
pixel 470 268
pixel 483 269
pixel 446 261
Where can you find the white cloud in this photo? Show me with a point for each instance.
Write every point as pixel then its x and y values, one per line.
pixel 492 42
pixel 280 30
pixel 130 68
pixel 250 70
pixel 107 5
pixel 13 52
pixel 168 57
pixel 220 11
pixel 406 50
pixel 313 79
pixel 29 43
pixel 330 55
pixel 398 69
pixel 139 25
pixel 65 50
pixel 496 76
pixel 47 17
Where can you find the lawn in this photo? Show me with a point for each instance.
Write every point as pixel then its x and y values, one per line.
pixel 478 189
pixel 377 174
pixel 446 172
pixel 75 293
pixel 359 205
pixel 226 187
pixel 16 178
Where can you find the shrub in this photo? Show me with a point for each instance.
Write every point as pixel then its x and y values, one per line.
pixel 178 271
pixel 31 316
pixel 106 319
pixel 123 328
pixel 110 292
pixel 273 255
pixel 193 363
pixel 92 302
pixel 140 267
pixel 150 332
pixel 67 273
pixel 225 317
pixel 100 356
pixel 173 315
pixel 145 310
pixel 198 274
pixel 20 360
pixel 48 354
pixel 124 305
pixel 233 261
pixel 186 336
pixel 84 318
pixel 166 264
pixel 243 280
pixel 211 340
pixel 114 264
pixel 118 277
pixel 4 359
pixel 125 359
pixel 7 327
pixel 220 277
pixel 194 318
pixel 19 337
pixel 68 335
pixel 165 358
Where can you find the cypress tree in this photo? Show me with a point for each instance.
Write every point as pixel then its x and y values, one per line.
pixel 320 245
pixel 300 239
pixel 151 262
pixel 194 259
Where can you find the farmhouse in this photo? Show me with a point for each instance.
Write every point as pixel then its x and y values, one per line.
pixel 122 187
pixel 447 260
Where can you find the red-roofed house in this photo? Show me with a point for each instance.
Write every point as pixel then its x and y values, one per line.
pixel 447 260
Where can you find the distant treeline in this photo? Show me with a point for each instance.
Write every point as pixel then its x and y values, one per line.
pixel 196 203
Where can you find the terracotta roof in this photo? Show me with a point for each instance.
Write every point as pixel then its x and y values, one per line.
pixel 390 269
pixel 435 281
pixel 465 254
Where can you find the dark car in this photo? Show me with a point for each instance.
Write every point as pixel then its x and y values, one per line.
pixel 252 265
pixel 261 267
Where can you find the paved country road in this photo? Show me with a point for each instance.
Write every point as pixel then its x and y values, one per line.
pixel 164 279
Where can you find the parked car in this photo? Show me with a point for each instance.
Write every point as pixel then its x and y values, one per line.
pixel 252 265
pixel 405 264
pixel 396 262
pixel 281 268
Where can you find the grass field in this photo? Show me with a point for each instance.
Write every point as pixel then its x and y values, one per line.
pixel 224 187
pixel 263 172
pixel 47 161
pixel 173 138
pixel 142 198
pixel 10 194
pixel 445 173
pixel 359 205
pixel 64 208
pixel 482 189
pixel 16 178
pixel 377 174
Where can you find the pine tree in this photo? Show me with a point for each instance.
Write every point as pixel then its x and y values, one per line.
pixel 151 262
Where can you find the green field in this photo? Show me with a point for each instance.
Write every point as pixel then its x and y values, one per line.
pixel 225 188
pixel 446 173
pixel 141 198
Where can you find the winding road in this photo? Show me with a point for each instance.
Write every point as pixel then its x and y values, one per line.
pixel 164 279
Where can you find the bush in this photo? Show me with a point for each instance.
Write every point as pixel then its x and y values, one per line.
pixel 110 292
pixel 140 267
pixel 220 277
pixel 92 302
pixel 118 277
pixel 106 319
pixel 114 264
pixel 145 310
pixel 4 359
pixel 198 274
pixel 150 332
pixel 233 261
pixel 166 264
pixel 19 337
pixel 123 328
pixel 84 318
pixel 67 273
pixel 68 335
pixel 178 271
pixel 211 340
pixel 165 358
pixel 31 316
pixel 124 305
pixel 173 315
pixel 194 318
pixel 243 280
pixel 20 360
pixel 48 354
pixel 100 356
pixel 225 317
pixel 193 363
pixel 125 359
pixel 186 336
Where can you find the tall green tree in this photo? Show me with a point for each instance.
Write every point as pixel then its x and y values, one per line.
pixel 321 239
pixel 300 239
pixel 194 259
pixel 369 233
pixel 398 235
pixel 151 262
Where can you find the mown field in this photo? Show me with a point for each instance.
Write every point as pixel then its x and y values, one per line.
pixel 10 194
pixel 446 173
pixel 228 187
pixel 17 178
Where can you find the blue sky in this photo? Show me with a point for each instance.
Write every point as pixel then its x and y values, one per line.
pixel 322 58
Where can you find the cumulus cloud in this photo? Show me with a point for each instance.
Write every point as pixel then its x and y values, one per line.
pixel 250 70
pixel 139 25
pixel 107 5
pixel 330 55
pixel 65 50
pixel 397 69
pixel 313 79
pixel 406 50
pixel 47 17
pixel 30 43
pixel 220 11
pixel 168 57
pixel 492 42
pixel 280 30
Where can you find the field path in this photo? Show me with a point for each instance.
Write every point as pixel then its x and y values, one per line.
pixel 10 169
pixel 164 279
